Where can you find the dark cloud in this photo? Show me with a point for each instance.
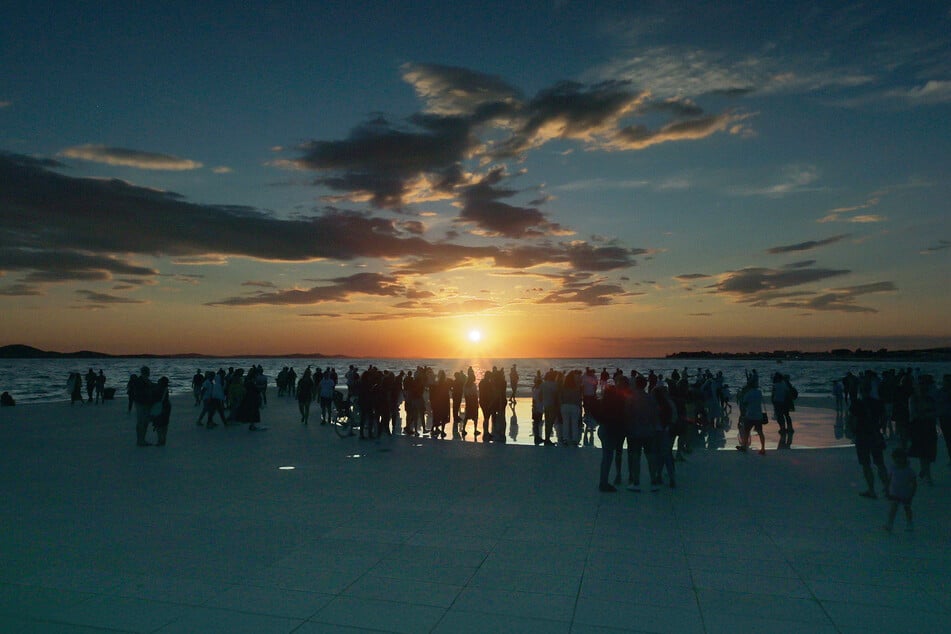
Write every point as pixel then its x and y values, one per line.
pixel 104 298
pixel 806 246
pixel 52 224
pixel 474 117
pixel 378 159
pixel 569 110
pixel 584 293
pixel 587 257
pixel 751 281
pixel 20 290
pixel 482 206
pixel 779 288
pixel 340 289
pixel 686 277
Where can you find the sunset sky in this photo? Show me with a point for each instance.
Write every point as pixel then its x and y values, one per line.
pixel 381 178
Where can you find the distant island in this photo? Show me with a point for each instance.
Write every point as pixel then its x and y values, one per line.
pixel 20 351
pixel 839 354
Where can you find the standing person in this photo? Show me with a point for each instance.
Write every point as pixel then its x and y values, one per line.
pixel 456 387
pixel 902 486
pixel 100 387
pixel 470 393
pixel 513 381
pixel 664 449
pixel 197 382
pixel 74 385
pixel 130 389
pixel 325 392
pixel 549 393
pixel 839 394
pixel 751 415
pixel 869 442
pixel 144 398
pixel 305 394
pixel 609 413
pixel 570 398
pixel 642 417
pixel 160 420
pixel 923 413
pixel 439 400
pixel 487 401
pixel 90 384
pixel 781 398
pixel 943 403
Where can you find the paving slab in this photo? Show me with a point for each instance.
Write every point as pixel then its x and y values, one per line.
pixel 297 530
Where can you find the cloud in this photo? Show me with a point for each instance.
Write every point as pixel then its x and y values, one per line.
pixel 687 277
pixel 587 295
pixel 474 118
pixel 450 90
pixel 5 104
pixel 259 284
pixel 750 282
pixel 839 299
pixel 129 158
pixel 639 137
pixel 104 298
pixel 52 223
pixel 63 265
pixel 340 289
pixel 808 245
pixel 933 92
pixel 221 169
pixel 794 179
pixel 481 205
pixel 940 246
pixel 781 288
pixel 20 290
pixel 378 159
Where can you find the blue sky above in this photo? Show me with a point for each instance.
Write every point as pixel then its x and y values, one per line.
pixel 672 175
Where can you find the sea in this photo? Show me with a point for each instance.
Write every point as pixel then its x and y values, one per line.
pixel 44 380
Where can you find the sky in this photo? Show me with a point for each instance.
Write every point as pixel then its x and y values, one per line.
pixel 384 179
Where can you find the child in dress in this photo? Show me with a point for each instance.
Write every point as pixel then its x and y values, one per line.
pixel 902 484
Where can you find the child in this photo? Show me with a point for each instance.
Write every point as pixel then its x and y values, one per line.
pixel 902 484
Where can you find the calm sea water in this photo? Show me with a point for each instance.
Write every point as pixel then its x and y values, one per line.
pixel 44 380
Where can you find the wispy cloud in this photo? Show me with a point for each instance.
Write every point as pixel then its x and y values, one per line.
pixel 935 248
pixel 793 180
pixel 808 245
pixel 129 158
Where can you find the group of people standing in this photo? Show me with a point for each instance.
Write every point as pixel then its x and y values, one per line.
pixel 902 407
pixel 95 387
pixel 241 393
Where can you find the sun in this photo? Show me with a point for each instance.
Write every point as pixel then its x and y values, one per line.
pixel 475 336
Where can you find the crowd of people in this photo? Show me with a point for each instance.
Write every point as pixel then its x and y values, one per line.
pixel 900 407
pixel 647 413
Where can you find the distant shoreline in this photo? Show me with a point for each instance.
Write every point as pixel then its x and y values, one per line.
pixel 21 351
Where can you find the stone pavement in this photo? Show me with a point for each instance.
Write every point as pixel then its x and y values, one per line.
pixel 210 534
